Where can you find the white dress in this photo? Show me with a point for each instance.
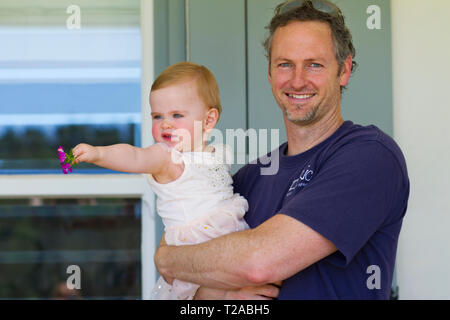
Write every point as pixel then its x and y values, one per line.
pixel 198 206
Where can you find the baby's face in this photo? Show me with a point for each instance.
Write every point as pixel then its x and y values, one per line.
pixel 176 111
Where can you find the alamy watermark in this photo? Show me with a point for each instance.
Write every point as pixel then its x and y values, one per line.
pixel 74 20
pixel 373 22
pixel 74 280
pixel 374 280
pixel 237 147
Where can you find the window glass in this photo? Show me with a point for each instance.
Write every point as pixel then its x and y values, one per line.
pixel 46 243
pixel 68 74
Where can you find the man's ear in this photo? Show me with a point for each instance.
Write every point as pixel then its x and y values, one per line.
pixel 212 116
pixel 346 71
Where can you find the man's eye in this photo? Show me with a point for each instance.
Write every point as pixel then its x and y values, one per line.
pixel 316 65
pixel 177 115
pixel 284 65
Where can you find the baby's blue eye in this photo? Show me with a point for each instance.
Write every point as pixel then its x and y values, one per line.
pixel 156 117
pixel 177 115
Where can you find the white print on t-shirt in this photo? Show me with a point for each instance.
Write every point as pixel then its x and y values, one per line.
pixel 305 177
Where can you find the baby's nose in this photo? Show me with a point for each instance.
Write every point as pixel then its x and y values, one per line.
pixel 166 124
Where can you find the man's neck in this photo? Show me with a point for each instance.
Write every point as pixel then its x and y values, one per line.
pixel 302 138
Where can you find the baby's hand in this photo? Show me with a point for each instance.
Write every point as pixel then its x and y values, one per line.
pixel 86 153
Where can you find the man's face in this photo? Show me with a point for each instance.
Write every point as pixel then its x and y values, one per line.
pixel 303 72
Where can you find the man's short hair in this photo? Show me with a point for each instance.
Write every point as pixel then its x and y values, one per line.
pixel 180 72
pixel 314 10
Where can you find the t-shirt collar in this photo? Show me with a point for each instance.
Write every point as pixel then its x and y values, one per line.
pixel 292 161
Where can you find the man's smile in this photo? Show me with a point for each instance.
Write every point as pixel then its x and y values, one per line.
pixel 300 97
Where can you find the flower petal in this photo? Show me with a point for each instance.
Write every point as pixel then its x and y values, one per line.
pixel 64 160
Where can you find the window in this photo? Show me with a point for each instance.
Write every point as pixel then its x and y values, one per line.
pixel 62 86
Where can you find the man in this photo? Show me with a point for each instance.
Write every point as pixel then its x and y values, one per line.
pixel 327 223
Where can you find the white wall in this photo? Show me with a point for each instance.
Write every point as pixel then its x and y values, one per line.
pixel 421 75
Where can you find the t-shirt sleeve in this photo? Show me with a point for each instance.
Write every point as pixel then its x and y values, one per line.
pixel 352 194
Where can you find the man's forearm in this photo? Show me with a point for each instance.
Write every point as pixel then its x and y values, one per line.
pixel 275 250
pixel 223 262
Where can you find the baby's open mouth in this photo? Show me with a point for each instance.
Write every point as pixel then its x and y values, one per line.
pixel 167 136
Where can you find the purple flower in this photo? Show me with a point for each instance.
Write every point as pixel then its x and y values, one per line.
pixel 61 154
pixel 62 160
pixel 66 168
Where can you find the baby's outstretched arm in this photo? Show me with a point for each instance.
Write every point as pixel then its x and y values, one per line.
pixel 124 157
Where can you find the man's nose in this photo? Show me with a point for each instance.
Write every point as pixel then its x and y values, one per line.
pixel 298 80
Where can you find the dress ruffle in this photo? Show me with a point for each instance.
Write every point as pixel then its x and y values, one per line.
pixel 221 221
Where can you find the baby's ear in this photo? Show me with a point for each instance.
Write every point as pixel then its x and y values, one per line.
pixel 211 118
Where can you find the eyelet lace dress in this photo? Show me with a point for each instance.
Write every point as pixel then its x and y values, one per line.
pixel 198 206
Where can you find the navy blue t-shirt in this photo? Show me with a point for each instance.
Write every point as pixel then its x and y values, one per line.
pixel 353 189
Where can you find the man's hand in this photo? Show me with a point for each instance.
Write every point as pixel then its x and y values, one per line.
pixel 162 244
pixel 264 292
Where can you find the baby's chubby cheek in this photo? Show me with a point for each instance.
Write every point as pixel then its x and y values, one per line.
pixel 155 133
